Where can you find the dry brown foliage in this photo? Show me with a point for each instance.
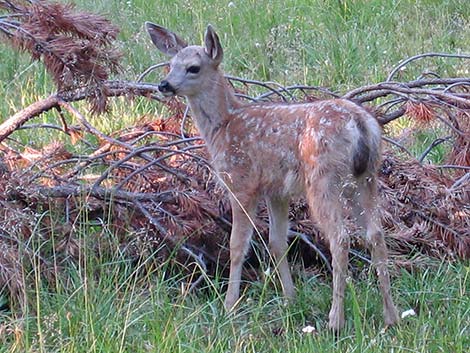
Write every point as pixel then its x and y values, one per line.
pixel 75 46
pixel 425 209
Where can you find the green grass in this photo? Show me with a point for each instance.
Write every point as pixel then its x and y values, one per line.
pixel 114 306
pixel 333 43
pixel 108 305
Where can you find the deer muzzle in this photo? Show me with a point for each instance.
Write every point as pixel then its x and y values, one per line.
pixel 166 88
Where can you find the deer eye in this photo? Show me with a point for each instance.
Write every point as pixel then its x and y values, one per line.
pixel 193 69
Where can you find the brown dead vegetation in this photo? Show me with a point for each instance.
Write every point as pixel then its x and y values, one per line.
pixel 149 192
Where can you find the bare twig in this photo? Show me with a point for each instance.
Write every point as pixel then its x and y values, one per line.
pixel 435 143
pixel 425 55
pixel 307 241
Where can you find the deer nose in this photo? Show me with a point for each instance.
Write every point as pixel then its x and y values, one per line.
pixel 166 87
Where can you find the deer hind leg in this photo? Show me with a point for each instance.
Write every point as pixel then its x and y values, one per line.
pixel 324 200
pixel 278 210
pixel 377 246
pixel 242 230
pixel 339 248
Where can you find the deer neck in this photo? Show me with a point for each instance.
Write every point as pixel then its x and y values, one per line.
pixel 212 107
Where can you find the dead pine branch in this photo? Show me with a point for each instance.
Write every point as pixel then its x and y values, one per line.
pixel 11 124
pixel 113 89
pixel 74 46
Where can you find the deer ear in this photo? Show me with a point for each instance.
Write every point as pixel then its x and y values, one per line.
pixel 166 41
pixel 213 47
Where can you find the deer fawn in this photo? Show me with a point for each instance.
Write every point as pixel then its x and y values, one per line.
pixel 327 150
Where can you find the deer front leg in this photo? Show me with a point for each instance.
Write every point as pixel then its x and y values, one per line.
pixel 278 225
pixel 242 229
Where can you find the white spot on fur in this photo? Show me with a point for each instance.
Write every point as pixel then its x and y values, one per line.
pixel 325 121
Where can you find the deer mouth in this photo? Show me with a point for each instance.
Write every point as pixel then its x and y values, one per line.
pixel 166 89
pixel 168 93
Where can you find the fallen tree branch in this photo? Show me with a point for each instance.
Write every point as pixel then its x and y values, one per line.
pixel 105 194
pixel 114 89
pixel 12 124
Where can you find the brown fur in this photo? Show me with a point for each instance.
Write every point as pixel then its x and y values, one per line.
pixel 327 150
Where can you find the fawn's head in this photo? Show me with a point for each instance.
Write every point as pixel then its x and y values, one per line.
pixel 192 68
